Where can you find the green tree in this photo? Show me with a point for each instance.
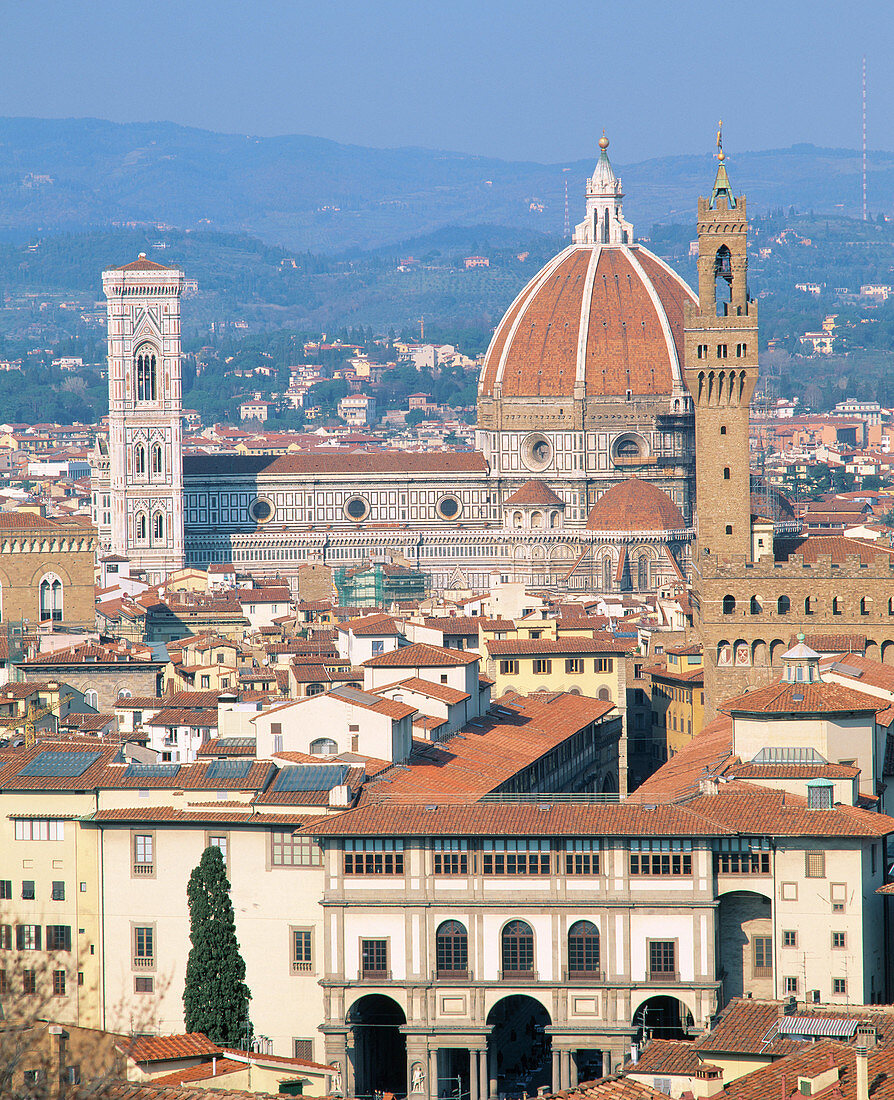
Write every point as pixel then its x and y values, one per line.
pixel 215 996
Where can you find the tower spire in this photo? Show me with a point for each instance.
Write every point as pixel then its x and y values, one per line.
pixel 722 187
pixel 604 222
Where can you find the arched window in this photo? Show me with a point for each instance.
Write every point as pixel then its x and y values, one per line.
pixel 783 605
pixel 51 599
pixel 125 693
pixel 754 606
pixel 145 373
pixel 314 689
pixel 809 605
pixel 729 605
pixel 158 527
pixel 517 948
pixel 836 605
pixel 451 949
pixel 726 473
pixel 141 526
pixel 91 698
pixel 642 573
pixel 604 695
pixel 583 949
pixel 139 459
pixel 517 519
pixel 323 746
pixel 554 519
pixel 157 461
pixel 865 605
pixel 607 574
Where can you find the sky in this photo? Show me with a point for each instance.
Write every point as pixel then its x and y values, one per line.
pixel 523 80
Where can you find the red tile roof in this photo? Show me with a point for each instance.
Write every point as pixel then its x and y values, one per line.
pixel 679 776
pixel 817 698
pixel 142 264
pixel 666 1058
pixel 442 692
pixel 535 492
pixel 163 1048
pixel 605 643
pixel 536 356
pixel 422 655
pixel 489 751
pixel 635 505
pixel 315 462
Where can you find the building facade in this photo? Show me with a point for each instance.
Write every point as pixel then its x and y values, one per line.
pixel 582 387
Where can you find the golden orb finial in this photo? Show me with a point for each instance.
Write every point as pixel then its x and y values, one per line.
pixel 721 156
pixel 603 142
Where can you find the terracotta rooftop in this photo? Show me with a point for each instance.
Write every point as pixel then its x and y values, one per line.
pixel 380 462
pixel 535 492
pixel 666 1057
pixel 538 349
pixel 609 1088
pixel 839 547
pixel 442 692
pixel 163 1048
pixel 679 776
pixel 488 751
pixel 503 647
pixel 635 505
pixel 817 698
pixel 422 655
pixel 142 264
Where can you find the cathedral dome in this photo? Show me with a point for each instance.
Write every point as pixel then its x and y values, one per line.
pixel 603 319
pixel 600 320
pixel 635 505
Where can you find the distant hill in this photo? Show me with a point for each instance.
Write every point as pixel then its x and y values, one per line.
pixel 309 193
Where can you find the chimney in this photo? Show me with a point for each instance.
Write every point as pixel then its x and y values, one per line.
pixel 862 1090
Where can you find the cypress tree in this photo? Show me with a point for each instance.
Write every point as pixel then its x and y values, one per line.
pixel 215 996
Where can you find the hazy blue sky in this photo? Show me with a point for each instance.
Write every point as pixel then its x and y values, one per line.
pixel 533 79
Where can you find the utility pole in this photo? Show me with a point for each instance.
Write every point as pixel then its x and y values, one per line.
pixel 864 137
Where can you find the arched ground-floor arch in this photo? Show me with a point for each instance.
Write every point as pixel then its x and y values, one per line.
pixel 519 1046
pixel 745 935
pixel 662 1017
pixel 379 1055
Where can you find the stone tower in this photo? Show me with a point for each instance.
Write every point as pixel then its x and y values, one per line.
pixel 145 433
pixel 720 369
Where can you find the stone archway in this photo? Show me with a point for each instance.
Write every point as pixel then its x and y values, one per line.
pixel 662 1017
pixel 519 1050
pixel 379 1048
pixel 745 930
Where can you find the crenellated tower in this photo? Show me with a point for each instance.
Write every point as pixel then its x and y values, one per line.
pixel 720 370
pixel 145 456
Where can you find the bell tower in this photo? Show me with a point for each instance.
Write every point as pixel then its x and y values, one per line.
pixel 720 371
pixel 145 425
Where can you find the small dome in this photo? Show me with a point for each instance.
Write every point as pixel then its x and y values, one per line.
pixel 635 505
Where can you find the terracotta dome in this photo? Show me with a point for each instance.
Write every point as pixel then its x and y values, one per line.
pixel 635 505
pixel 599 320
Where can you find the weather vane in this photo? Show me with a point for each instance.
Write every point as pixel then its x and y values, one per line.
pixel 721 156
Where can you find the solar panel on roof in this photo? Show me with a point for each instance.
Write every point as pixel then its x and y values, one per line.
pixel 229 769
pixel 311 777
pixel 151 771
pixel 59 764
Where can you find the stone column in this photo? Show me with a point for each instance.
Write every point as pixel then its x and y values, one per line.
pixel 483 1081
pixel 492 1059
pixel 566 1068
pixel 557 1079
pixel 433 1074
pixel 606 1063
pixel 572 1069
pixel 473 1075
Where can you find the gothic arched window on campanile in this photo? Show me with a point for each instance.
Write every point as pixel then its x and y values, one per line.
pixel 157 460
pixel 158 527
pixel 145 373
pixel 139 459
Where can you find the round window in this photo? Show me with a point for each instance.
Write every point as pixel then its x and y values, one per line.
pixel 261 510
pixel 630 448
pixel 449 507
pixel 357 508
pixel 537 452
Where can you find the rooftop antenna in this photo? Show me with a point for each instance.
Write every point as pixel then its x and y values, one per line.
pixel 864 137
pixel 567 232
